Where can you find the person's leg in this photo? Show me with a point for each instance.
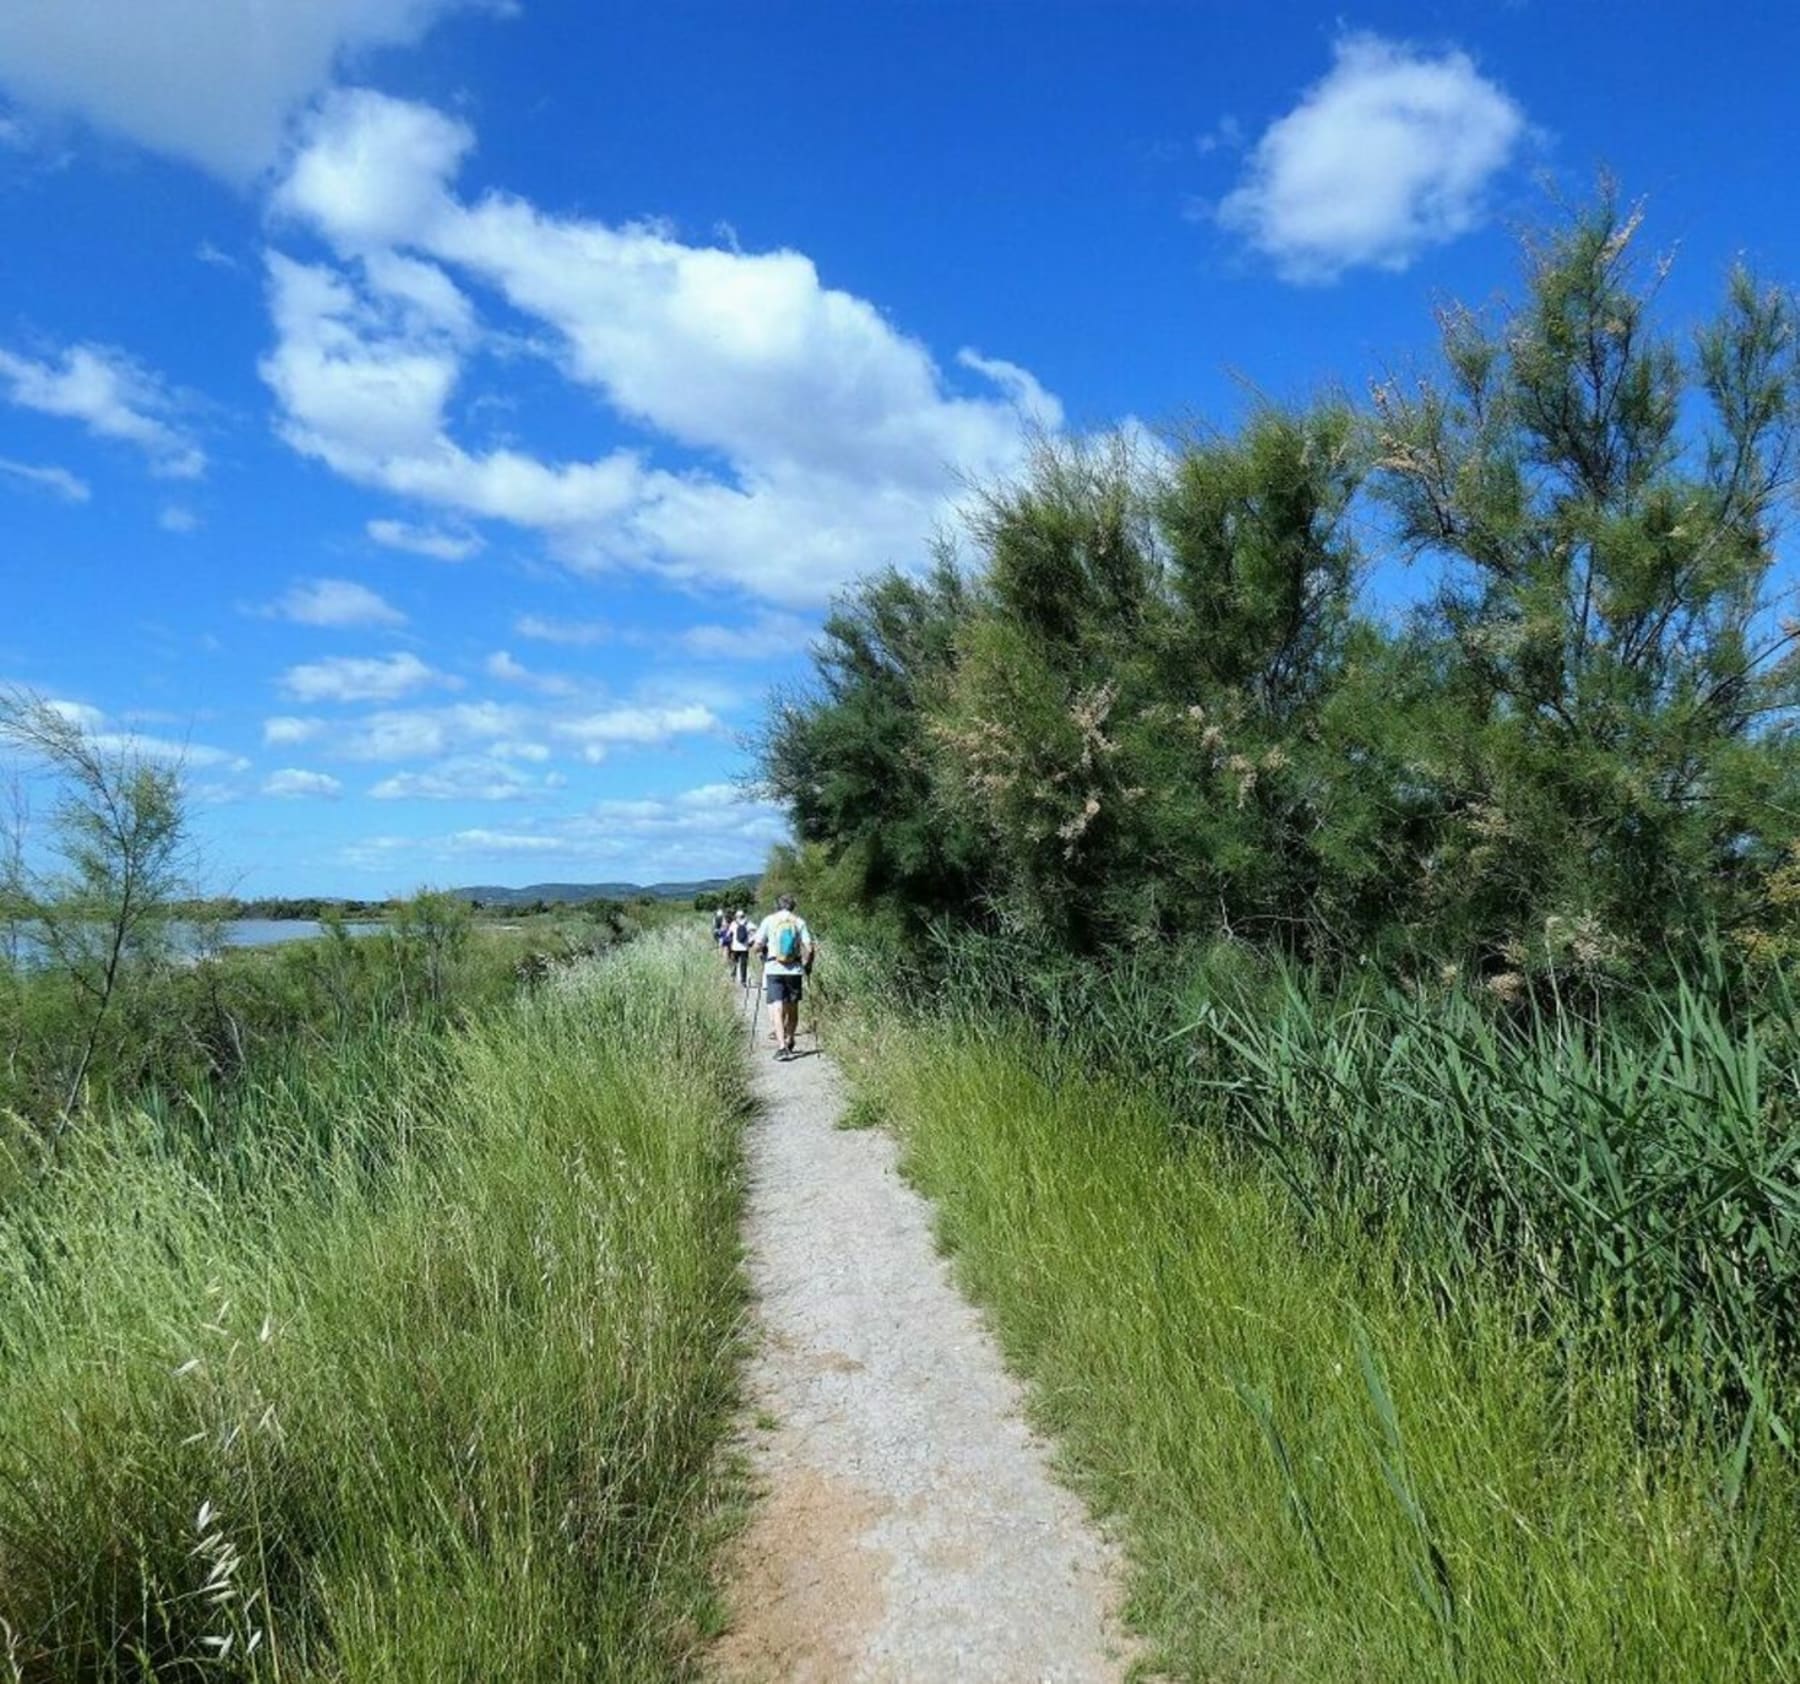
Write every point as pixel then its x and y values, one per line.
pixel 776 987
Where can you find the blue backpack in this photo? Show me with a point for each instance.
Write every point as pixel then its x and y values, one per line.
pixel 786 945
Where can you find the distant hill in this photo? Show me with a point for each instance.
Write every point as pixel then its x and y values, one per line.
pixel 492 895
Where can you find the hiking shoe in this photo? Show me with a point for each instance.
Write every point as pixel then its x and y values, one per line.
pixel 782 1055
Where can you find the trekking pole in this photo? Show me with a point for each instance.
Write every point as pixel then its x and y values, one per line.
pixel 755 1012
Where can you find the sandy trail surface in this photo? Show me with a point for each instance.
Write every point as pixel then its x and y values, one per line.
pixel 907 1527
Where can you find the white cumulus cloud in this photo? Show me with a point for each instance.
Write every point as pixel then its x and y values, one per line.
pixel 293 784
pixel 1391 152
pixel 636 726
pixel 843 440
pixel 474 778
pixel 352 678
pixel 425 733
pixel 285 730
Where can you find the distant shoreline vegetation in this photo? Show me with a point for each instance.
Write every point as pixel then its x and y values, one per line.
pixel 535 897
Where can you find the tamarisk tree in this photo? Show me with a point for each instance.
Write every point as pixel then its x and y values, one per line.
pixel 1604 502
pixel 96 896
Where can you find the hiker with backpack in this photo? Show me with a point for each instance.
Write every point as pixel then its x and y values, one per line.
pixel 740 935
pixel 786 945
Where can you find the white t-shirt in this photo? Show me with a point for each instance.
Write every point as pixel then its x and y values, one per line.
pixel 765 938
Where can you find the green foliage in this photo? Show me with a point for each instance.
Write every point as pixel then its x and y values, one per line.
pixel 1606 506
pixel 740 892
pixel 852 761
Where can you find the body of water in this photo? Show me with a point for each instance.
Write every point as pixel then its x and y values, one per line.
pixel 273 932
pixel 24 948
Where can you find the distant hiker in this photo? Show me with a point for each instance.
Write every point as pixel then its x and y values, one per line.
pixel 741 936
pixel 722 934
pixel 786 945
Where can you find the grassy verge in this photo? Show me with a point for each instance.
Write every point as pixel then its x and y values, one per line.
pixel 1319 1475
pixel 421 1375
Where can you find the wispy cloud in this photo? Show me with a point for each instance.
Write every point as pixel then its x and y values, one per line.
pixel 503 666
pixel 59 482
pixel 765 637
pixel 112 396
pixel 575 633
pixel 335 603
pixel 432 541
pixel 477 778
pixel 502 842
pixel 703 831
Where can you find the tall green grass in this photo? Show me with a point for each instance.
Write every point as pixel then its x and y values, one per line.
pixel 415 1370
pixel 1323 1468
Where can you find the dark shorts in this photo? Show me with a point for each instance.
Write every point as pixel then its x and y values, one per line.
pixel 780 988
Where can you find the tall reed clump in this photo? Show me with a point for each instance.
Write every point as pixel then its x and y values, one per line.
pixel 1638 1163
pixel 423 1376
pixel 1321 1467
pixel 1644 1165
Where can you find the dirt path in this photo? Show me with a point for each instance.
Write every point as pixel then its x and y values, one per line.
pixel 909 1528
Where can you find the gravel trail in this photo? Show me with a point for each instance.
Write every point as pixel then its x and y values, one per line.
pixel 908 1527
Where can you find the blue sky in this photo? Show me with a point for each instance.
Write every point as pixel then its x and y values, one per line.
pixel 444 420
